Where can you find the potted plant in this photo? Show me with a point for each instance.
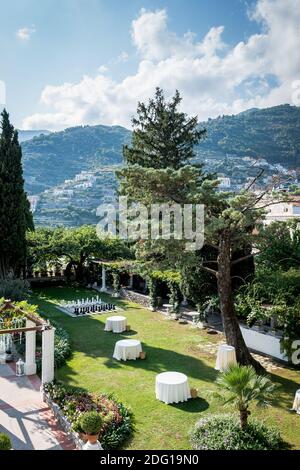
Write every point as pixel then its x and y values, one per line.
pixel 91 423
pixel 5 442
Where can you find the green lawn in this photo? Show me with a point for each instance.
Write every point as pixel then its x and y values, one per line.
pixel 169 346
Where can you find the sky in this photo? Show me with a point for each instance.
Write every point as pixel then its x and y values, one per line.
pixel 75 62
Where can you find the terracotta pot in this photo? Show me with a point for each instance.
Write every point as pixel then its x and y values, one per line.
pixel 128 327
pixel 142 355
pixel 92 438
pixel 194 392
pixel 83 436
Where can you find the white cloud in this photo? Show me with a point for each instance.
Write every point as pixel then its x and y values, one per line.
pixel 24 34
pixel 213 78
pixel 123 57
pixel 103 68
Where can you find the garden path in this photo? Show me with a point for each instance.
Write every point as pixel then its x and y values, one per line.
pixel 24 417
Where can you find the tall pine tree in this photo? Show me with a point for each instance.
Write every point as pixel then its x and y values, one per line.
pixel 15 215
pixel 156 172
pixel 162 135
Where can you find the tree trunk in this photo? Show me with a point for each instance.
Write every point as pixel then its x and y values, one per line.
pixel 79 269
pixel 4 268
pixel 244 413
pixel 231 326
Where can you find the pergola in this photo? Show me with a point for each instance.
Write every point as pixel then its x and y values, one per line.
pixel 27 323
pixel 124 265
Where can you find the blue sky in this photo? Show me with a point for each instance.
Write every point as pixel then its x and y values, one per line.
pixel 69 62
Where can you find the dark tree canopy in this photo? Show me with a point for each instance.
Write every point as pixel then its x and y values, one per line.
pixel 162 135
pixel 15 215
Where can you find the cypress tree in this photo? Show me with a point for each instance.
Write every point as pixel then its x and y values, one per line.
pixel 15 215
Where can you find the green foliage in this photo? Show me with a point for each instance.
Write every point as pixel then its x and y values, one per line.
pixel 73 247
pixel 152 287
pixel 223 432
pixel 50 159
pixel 5 442
pixel 14 289
pixel 116 419
pixel 229 218
pixel 171 277
pixel 279 244
pixel 198 285
pixel 280 290
pixel 116 281
pixel 162 135
pixel 271 133
pixel 91 422
pixel 175 296
pixel 14 209
pixel 240 386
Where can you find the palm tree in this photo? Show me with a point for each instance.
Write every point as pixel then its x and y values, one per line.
pixel 241 385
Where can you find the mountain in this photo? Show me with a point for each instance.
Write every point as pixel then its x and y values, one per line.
pixel 69 174
pixel 272 134
pixel 49 160
pixel 27 135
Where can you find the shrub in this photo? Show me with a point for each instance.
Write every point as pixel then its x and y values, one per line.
pixel 117 419
pixel 91 422
pixel 14 289
pixel 223 432
pixel 5 442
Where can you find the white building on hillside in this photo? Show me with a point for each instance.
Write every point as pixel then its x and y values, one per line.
pixel 282 211
pixel 225 182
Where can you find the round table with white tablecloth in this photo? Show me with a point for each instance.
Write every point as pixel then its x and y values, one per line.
pixel 172 387
pixel 296 405
pixel 127 349
pixel 225 357
pixel 117 324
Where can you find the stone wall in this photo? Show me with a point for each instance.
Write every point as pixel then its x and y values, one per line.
pixel 63 421
pixel 136 297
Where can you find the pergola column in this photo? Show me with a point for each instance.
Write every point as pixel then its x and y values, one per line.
pixel 30 346
pixel 103 288
pixel 130 281
pixel 48 355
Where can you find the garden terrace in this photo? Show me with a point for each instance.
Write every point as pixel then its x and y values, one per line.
pixel 169 346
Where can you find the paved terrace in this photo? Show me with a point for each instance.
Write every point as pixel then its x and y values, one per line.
pixel 24 417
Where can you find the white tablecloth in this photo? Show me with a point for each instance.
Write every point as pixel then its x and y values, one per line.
pixel 127 349
pixel 225 357
pixel 172 387
pixel 117 324
pixel 296 405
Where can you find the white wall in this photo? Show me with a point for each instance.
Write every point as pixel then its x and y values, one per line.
pixel 264 343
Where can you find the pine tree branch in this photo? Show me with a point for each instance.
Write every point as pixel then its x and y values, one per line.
pixel 244 258
pixel 209 270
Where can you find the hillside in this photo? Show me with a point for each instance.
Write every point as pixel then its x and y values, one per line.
pixel 272 134
pixel 69 173
pixel 49 160
pixel 28 135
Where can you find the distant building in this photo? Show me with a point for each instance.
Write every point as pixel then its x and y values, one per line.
pixel 282 211
pixel 63 192
pixel 33 201
pixel 224 182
